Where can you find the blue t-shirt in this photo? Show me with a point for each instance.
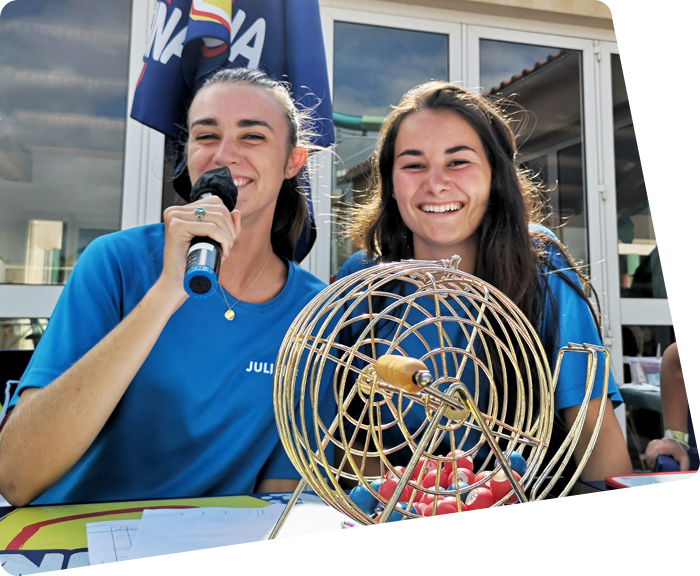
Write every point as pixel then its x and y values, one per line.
pixel 576 325
pixel 197 419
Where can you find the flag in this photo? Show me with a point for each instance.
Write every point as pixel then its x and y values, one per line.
pixel 190 39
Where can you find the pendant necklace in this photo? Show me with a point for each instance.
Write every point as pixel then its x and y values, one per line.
pixel 230 314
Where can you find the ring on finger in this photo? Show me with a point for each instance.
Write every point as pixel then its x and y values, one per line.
pixel 199 212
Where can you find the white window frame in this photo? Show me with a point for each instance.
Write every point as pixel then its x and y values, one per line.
pixel 319 260
pixel 597 219
pixel 142 179
pixel 622 311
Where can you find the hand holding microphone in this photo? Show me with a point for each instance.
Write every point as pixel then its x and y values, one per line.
pixel 204 254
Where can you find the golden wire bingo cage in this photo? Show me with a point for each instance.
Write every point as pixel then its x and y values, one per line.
pixel 467 331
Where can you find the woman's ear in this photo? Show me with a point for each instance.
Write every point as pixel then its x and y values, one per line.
pixel 297 158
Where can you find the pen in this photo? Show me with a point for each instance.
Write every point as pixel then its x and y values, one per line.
pixel 360 535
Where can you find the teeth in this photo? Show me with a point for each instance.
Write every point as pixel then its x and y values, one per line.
pixel 442 208
pixel 241 181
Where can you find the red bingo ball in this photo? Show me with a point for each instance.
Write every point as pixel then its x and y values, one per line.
pixel 391 476
pixel 480 498
pixel 429 467
pixel 500 486
pixel 428 499
pixel 465 462
pixel 387 489
pixel 460 475
pixel 429 480
pixel 444 507
pixel 481 475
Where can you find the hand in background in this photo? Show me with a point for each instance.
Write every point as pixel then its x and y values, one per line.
pixel 667 448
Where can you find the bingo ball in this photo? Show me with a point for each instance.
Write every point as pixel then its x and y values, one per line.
pixel 465 462
pixel 390 475
pixel 518 463
pixel 480 498
pixel 460 475
pixel 463 486
pixel 480 476
pixel 429 467
pixel 363 499
pixel 387 489
pixel 376 484
pixel 429 480
pixel 500 486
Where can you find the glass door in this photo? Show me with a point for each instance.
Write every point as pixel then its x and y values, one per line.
pixel 374 59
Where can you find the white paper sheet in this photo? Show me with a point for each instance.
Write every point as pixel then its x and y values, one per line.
pixel 110 541
pixel 310 542
pixel 227 541
pixel 171 531
pixel 580 555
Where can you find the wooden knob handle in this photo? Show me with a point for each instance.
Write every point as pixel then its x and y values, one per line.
pixel 398 371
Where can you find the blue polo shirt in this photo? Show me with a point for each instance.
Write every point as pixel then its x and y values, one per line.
pixel 197 419
pixel 576 325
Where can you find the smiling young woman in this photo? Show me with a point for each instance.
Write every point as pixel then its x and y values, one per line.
pixel 444 182
pixel 136 391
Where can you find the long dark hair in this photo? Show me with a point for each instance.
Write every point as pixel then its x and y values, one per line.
pixel 291 210
pixel 507 256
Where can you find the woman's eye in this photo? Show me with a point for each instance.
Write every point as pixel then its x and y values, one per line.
pixel 459 162
pixel 200 137
pixel 412 166
pixel 253 137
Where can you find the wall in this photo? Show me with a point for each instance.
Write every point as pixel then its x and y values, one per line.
pixel 672 18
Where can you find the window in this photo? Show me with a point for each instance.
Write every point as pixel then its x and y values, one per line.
pixel 373 66
pixel 21 333
pixel 656 110
pixel 545 85
pixel 63 96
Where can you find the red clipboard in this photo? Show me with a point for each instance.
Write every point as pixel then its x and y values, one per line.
pixel 678 491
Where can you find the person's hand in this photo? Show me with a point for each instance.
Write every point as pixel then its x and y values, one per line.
pixel 667 448
pixel 181 225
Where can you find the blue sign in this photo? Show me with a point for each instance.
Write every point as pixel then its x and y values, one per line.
pixel 191 38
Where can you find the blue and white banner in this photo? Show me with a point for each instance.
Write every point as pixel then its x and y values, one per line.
pixel 191 38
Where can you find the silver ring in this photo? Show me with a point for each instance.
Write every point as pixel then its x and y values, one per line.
pixel 199 212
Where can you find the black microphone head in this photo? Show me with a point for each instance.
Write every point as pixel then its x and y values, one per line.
pixel 217 182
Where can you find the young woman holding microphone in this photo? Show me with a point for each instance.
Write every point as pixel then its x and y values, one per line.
pixel 137 391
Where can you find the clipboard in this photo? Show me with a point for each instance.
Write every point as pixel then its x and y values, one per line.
pixel 678 491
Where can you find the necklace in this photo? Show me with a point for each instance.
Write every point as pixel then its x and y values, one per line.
pixel 230 314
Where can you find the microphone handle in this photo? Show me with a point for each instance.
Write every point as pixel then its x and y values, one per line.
pixel 202 268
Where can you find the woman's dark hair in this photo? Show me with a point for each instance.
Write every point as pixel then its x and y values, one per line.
pixel 511 257
pixel 291 210
pixel 507 257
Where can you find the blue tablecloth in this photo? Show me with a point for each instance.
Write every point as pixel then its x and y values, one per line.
pixel 644 526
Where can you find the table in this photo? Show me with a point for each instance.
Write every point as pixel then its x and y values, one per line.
pixel 33 533
pixel 644 526
pixel 641 396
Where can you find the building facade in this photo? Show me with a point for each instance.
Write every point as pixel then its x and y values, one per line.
pixel 74 166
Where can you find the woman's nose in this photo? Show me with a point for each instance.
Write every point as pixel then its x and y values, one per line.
pixel 437 181
pixel 226 153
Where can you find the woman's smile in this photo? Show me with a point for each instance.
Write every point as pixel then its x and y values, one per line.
pixel 449 208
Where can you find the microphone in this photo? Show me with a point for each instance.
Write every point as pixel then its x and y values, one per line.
pixel 204 256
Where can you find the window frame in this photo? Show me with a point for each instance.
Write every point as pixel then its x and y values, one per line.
pixel 318 261
pixel 141 181
pixel 622 311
